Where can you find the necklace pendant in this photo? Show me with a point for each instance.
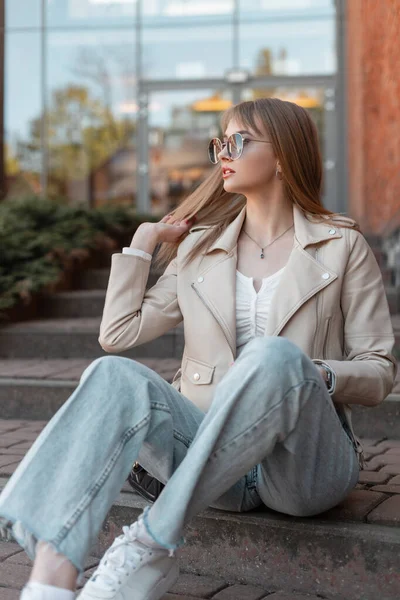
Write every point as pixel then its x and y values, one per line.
pixel 262 255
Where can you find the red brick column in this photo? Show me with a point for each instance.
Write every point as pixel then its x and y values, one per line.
pixel 373 100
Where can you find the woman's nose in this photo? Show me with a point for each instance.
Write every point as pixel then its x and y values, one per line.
pixel 223 153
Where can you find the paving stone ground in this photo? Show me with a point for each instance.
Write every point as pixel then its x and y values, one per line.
pixel 375 500
pixel 15 568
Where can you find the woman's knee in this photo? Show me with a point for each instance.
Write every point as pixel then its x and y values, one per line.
pixel 111 372
pixel 275 355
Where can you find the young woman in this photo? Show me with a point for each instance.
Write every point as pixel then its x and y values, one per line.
pixel 286 326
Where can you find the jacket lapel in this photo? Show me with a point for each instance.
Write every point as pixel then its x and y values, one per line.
pixel 303 277
pixel 215 281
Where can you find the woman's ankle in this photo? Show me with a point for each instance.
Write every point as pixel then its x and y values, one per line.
pixel 53 568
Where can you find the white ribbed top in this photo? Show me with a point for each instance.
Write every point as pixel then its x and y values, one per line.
pixel 252 307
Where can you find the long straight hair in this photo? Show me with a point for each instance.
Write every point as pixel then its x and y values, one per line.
pixel 295 143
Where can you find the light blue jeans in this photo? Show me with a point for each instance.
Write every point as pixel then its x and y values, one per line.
pixel 272 436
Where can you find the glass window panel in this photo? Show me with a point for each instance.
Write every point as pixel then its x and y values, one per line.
pixel 23 13
pixel 292 47
pixel 22 113
pixel 187 11
pixel 286 7
pixel 181 123
pixel 92 116
pixel 187 52
pixel 90 13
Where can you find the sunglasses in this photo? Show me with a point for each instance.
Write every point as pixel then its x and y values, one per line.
pixel 234 145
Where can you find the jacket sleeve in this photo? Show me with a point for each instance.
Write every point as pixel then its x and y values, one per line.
pixel 132 315
pixel 367 374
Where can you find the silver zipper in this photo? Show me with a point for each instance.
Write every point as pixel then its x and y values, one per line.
pixel 316 310
pixel 326 338
pixel 221 325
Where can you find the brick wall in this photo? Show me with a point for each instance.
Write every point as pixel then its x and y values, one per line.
pixel 373 80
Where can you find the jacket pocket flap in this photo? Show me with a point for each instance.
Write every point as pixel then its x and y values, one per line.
pixel 198 372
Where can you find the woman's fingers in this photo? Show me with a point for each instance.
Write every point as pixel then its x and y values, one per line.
pixel 165 219
pixel 185 223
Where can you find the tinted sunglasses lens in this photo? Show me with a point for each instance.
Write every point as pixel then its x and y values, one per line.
pixel 235 146
pixel 214 148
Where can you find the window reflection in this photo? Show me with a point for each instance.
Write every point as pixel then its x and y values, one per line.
pixel 187 53
pixel 181 125
pixel 90 13
pixel 22 114
pixel 264 7
pixel 91 116
pixel 186 9
pixel 23 13
pixel 289 48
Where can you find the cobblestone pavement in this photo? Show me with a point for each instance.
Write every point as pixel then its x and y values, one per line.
pixel 15 568
pixel 375 500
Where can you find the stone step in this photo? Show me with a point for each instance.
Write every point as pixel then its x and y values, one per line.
pixel 90 303
pixel 336 554
pixel 377 421
pixel 393 297
pixel 97 279
pixel 75 338
pixel 351 551
pixel 86 301
pixel 73 304
pixel 36 388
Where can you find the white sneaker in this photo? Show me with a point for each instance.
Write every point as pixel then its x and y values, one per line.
pixel 131 570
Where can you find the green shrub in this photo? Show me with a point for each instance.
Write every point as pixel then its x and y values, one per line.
pixel 39 238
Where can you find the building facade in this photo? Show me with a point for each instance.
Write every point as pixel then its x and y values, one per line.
pixel 114 101
pixel 373 106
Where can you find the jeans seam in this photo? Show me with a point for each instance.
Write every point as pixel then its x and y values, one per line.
pixel 179 436
pixel 262 419
pixel 94 489
pixel 159 406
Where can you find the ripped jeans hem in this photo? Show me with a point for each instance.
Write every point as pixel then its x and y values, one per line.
pixel 12 528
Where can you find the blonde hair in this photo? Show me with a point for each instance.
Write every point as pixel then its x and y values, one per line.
pixel 295 143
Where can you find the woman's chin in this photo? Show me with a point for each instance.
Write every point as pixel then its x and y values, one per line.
pixel 229 186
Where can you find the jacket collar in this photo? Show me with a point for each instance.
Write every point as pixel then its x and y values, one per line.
pixel 303 277
pixel 307 231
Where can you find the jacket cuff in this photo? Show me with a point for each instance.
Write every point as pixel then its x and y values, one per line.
pixel 332 387
pixel 137 252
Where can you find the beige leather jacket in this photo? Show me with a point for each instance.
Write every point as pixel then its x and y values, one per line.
pixel 330 301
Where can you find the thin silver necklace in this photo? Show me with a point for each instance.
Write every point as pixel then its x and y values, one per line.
pixel 262 249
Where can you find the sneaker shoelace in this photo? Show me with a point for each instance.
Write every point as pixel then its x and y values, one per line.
pixel 120 559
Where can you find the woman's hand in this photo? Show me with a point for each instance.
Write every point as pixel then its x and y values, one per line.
pixel 171 230
pixel 148 235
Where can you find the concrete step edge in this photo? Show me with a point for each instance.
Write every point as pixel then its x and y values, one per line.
pixel 70 294
pixel 52 326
